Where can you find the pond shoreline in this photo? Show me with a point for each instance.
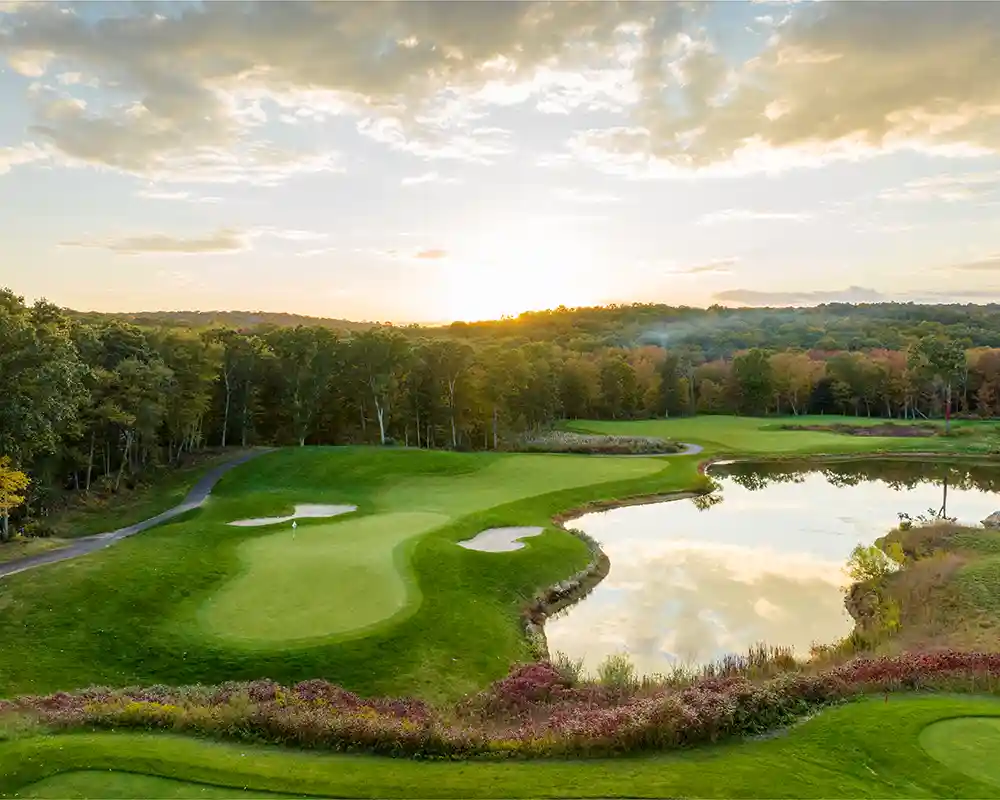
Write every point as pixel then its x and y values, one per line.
pixel 567 593
pixel 571 591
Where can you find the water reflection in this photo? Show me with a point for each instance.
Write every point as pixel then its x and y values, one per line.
pixel 692 581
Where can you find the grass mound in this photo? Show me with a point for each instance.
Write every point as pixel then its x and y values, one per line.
pixel 945 595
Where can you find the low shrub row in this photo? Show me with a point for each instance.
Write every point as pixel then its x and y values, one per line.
pixel 537 710
pixel 594 444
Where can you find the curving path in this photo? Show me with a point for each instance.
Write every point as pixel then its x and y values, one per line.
pixel 198 494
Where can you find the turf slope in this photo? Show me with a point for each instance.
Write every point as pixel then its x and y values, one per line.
pixel 865 749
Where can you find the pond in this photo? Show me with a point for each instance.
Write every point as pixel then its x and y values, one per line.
pixel 691 581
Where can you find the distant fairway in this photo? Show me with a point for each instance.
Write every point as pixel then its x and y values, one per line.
pixel 322 580
pixel 764 435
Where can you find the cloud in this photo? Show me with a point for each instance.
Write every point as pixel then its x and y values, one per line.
pixel 317 251
pixel 156 194
pixel 584 197
pixel 478 145
pixel 11 157
pixel 195 83
pixel 946 188
pixel 428 177
pixel 224 240
pixel 836 81
pixel 753 297
pixel 431 254
pixel 291 235
pixel 857 294
pixel 989 264
pixel 395 254
pixel 195 77
pixel 673 269
pixel 748 215
pixel 720 266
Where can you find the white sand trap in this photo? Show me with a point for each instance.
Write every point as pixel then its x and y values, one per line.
pixel 307 511
pixel 500 540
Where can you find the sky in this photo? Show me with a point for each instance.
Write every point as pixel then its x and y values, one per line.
pixel 429 161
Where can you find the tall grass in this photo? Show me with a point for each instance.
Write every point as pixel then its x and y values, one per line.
pixel 594 444
pixel 534 711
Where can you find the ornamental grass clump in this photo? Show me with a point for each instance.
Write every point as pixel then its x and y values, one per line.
pixel 537 710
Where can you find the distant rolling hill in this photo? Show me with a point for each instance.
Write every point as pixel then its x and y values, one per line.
pixel 231 319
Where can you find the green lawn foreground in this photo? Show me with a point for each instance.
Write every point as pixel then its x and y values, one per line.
pixel 141 612
pixel 869 748
pixel 763 435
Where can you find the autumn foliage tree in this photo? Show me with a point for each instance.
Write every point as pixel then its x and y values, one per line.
pixel 12 485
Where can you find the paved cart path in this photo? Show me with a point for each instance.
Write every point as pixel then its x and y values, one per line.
pixel 198 494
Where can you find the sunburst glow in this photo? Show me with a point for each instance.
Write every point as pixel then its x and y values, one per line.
pixel 514 269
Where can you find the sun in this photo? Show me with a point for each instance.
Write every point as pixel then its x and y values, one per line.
pixel 505 272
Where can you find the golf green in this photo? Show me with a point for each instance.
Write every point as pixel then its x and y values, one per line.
pixel 328 580
pixel 341 579
pixel 970 745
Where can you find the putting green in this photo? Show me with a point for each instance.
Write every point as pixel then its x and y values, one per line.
pixel 970 745
pixel 340 579
pixel 320 581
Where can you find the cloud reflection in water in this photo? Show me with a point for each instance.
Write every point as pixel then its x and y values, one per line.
pixel 688 586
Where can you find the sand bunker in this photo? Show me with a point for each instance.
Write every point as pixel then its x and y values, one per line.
pixel 307 511
pixel 500 540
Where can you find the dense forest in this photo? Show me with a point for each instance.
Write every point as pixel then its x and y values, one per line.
pixel 91 401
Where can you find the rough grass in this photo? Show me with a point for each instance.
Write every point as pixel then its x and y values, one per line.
pixel 869 748
pixel 753 435
pixel 130 614
pixel 25 546
pixel 159 490
pixel 948 591
pixel 979 584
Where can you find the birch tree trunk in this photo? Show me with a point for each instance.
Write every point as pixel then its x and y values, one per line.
pixel 225 413
pixel 90 462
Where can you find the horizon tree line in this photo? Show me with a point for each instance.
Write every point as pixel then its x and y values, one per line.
pixel 90 404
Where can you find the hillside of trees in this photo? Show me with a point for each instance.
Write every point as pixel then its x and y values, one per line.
pixel 197 320
pixel 90 401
